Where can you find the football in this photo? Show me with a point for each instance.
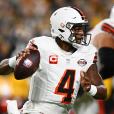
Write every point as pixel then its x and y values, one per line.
pixel 26 65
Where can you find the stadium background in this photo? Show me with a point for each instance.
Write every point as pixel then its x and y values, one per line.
pixel 20 20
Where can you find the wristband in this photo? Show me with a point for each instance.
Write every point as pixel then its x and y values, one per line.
pixel 12 107
pixel 93 90
pixel 12 62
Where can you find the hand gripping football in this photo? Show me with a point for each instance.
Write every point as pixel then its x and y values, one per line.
pixel 26 64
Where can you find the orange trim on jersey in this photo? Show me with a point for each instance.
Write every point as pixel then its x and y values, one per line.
pixel 108 28
pixel 67 84
pixel 56 89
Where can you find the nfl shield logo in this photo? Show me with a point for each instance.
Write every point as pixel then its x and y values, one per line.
pixel 82 62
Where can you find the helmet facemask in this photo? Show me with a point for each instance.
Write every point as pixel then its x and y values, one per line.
pixel 75 37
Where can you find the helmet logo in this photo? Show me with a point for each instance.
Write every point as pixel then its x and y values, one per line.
pixel 62 25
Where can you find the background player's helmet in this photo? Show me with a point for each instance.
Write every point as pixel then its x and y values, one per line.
pixel 62 21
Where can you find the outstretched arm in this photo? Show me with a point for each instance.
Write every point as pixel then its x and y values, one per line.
pixel 92 83
pixel 104 42
pixel 103 39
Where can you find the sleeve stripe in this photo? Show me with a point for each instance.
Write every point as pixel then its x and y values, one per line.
pixel 108 28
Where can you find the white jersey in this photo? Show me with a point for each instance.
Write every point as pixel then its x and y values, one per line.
pixel 106 25
pixel 57 80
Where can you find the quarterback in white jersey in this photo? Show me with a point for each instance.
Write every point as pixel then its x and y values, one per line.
pixel 67 61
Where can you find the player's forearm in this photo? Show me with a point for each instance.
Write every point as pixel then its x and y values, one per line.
pixel 106 62
pixel 5 68
pixel 101 93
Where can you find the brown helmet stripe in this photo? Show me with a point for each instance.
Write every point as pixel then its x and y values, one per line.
pixel 81 13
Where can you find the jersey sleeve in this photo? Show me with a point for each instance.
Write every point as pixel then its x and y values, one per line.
pixel 38 43
pixel 32 44
pixel 91 57
pixel 107 28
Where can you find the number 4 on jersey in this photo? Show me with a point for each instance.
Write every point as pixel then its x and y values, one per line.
pixel 65 86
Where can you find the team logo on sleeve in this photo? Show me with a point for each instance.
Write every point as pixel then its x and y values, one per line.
pixel 82 62
pixel 53 59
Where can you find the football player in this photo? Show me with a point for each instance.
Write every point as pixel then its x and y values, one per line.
pixel 103 40
pixel 67 61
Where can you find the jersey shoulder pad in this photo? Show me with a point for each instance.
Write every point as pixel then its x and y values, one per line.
pixel 108 26
pixel 88 49
pixel 41 41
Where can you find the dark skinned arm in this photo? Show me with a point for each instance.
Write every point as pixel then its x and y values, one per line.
pixel 5 69
pixel 92 77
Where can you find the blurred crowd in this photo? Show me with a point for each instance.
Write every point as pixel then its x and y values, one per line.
pixel 21 20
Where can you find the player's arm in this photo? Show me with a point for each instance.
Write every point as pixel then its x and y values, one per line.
pixel 7 66
pixel 103 39
pixel 92 83
pixel 106 62
pixel 105 43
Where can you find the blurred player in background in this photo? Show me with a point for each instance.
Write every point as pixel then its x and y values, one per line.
pixel 103 40
pixel 67 61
